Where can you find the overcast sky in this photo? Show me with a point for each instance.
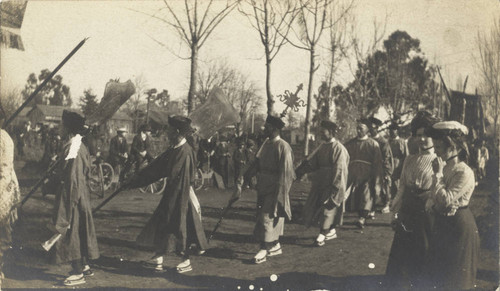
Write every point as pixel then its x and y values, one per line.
pixel 121 44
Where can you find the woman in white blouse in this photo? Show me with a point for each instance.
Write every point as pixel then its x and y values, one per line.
pixel 455 242
pixel 408 259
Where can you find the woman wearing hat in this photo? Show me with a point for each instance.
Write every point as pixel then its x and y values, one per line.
pixel 73 213
pixel 408 259
pixel 176 223
pixel 455 243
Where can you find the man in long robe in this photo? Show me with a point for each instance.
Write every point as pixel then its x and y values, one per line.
pixel 387 165
pixel 176 223
pixel 9 194
pixel 329 165
pixel 274 179
pixel 399 154
pixel 72 211
pixel 365 172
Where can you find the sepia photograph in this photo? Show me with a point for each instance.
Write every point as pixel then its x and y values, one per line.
pixel 249 144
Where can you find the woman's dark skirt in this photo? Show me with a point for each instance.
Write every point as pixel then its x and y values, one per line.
pixel 409 257
pixel 455 251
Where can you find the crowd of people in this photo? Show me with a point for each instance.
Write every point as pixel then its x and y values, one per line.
pixel 427 185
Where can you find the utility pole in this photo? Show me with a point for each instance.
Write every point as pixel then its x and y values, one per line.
pixel 150 93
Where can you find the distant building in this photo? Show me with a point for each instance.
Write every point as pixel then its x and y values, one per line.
pixel 118 120
pixel 47 114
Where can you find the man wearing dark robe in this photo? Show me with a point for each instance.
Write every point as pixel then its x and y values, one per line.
pixel 365 172
pixel 399 153
pixel 329 166
pixel 387 165
pixel 176 223
pixel 72 211
pixel 118 150
pixel 274 180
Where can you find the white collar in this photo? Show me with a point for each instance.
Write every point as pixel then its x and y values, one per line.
pixel 183 141
pixel 74 147
pixel 331 140
pixel 363 138
pixel 276 138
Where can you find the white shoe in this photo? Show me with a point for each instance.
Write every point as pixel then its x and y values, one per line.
pixel 260 257
pixel 361 222
pixel 74 280
pixel 274 251
pixel 320 240
pixel 332 234
pixel 386 209
pixel 184 267
pixel 156 263
pixel 371 215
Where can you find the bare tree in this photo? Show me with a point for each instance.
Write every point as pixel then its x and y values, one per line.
pixel 489 65
pixel 134 103
pixel 272 20
pixel 312 21
pixel 194 25
pixel 359 53
pixel 217 74
pixel 240 91
pixel 338 44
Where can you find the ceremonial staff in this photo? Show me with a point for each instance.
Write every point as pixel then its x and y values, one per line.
pixel 292 102
pixel 214 114
pixel 115 95
pixel 40 87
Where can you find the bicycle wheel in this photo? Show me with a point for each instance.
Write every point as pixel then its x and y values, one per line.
pixel 198 180
pixel 155 188
pixel 95 180
pixel 107 175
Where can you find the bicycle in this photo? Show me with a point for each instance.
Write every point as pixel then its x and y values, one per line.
pixel 202 174
pixel 153 188
pixel 101 176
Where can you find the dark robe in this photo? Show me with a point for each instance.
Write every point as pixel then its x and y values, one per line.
pixel 176 222
pixel 73 213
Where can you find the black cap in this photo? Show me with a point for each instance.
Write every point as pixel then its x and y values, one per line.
pixel 145 127
pixel 329 125
pixel 375 121
pixel 73 121
pixel 394 126
pixel 275 121
pixel 181 123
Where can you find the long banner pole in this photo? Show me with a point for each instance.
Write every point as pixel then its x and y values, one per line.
pixel 40 87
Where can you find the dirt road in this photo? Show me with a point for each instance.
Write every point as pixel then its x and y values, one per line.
pixel 342 264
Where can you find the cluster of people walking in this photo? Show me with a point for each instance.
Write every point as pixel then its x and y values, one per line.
pixel 428 189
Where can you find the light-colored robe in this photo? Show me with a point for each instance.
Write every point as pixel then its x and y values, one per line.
pixel 329 167
pixel 274 180
pixel 365 172
pixel 9 194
